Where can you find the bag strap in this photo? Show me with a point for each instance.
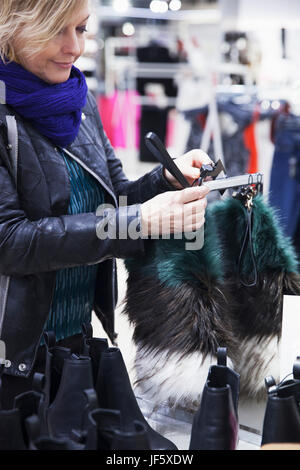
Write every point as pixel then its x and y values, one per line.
pixel 12 134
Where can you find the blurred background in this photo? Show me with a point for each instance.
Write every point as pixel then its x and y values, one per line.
pixel 223 76
pixel 167 66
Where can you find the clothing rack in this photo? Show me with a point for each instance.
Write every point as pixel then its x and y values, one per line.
pixel 126 69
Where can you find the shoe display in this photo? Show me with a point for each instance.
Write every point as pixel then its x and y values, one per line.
pixel 282 414
pixel 215 424
pixel 115 392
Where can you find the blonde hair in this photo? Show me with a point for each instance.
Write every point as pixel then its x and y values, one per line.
pixel 33 22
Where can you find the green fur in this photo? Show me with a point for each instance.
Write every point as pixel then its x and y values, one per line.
pixel 272 249
pixel 172 263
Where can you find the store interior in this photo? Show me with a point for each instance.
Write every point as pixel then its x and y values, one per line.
pixel 222 76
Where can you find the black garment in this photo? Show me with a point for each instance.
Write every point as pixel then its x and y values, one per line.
pixel 153 118
pixel 156 53
pixel 37 238
pixel 235 152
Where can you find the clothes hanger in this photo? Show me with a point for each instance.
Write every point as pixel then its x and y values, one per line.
pixel 160 152
pixel 247 187
pixel 157 148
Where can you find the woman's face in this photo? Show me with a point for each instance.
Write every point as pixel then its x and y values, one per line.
pixel 53 64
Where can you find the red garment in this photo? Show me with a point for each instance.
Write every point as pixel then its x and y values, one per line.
pixel 120 114
pixel 250 143
pixel 171 129
pixel 105 107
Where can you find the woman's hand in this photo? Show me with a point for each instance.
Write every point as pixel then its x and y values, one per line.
pixel 189 164
pixel 174 212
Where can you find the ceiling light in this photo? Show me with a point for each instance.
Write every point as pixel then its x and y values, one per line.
pixel 121 6
pixel 128 29
pixel 175 5
pixel 275 104
pixel 159 6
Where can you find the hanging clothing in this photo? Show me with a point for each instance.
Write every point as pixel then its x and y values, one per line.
pixel 154 118
pixel 235 153
pixel 285 174
pixel 238 116
pixel 199 299
pixel 120 114
pixel 251 143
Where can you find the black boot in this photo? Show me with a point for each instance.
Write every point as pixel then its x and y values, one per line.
pixel 13 431
pixel 67 411
pixel 282 416
pixel 93 347
pixel 131 440
pixel 33 429
pixel 115 393
pixel 11 435
pixel 30 405
pixel 48 443
pixel 215 424
pixel 66 378
pixel 101 428
pixel 54 362
pixel 105 432
pixel 37 440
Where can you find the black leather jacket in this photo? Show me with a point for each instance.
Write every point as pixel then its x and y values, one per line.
pixel 37 238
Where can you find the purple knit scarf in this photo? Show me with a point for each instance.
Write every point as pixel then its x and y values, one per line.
pixel 54 110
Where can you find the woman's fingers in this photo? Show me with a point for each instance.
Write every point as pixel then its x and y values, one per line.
pixel 189 165
pixel 172 212
pixel 192 194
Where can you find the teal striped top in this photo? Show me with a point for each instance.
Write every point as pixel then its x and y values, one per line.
pixel 75 287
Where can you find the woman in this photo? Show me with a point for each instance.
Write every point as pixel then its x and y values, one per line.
pixel 55 268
